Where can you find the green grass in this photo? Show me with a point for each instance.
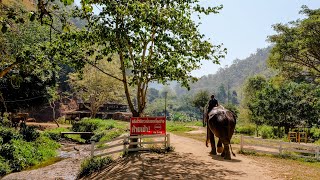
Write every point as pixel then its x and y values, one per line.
pixel 103 130
pixel 179 127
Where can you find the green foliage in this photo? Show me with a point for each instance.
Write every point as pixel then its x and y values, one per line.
pixel 103 129
pixel 286 106
pixel 179 117
pixel 92 165
pixel 148 42
pixel 4 167
pixel 55 134
pixel 201 98
pixel 29 133
pixel 267 132
pixel 91 125
pixel 179 127
pixel 8 134
pixel 295 47
pixel 24 154
pixel 232 108
pixel 314 133
pixel 248 129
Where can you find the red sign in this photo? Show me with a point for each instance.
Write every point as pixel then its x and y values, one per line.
pixel 147 125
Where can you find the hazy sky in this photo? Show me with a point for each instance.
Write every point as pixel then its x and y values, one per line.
pixel 243 26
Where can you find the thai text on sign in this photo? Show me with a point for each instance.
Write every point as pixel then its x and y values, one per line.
pixel 147 125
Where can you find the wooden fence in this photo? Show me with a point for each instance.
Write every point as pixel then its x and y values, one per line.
pixel 125 142
pixel 279 147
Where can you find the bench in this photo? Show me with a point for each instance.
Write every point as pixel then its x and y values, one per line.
pixel 81 133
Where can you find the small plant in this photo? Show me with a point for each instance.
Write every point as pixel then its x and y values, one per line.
pixel 246 129
pixel 92 165
pixel 266 132
pixel 7 134
pixel 4 167
pixel 29 133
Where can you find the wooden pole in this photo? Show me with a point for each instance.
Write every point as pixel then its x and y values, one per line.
pixel 241 142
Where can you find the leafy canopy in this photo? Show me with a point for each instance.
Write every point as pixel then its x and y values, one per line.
pixel 155 41
pixel 296 47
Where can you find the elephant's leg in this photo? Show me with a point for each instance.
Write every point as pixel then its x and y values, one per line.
pixel 226 151
pixel 219 146
pixel 213 143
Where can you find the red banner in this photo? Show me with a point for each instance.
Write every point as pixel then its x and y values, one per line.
pixel 147 125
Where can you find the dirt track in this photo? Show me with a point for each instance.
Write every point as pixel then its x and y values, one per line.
pixel 191 160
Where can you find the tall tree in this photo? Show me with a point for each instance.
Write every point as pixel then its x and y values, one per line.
pixel 155 41
pixel 296 47
pixel 200 100
pixel 97 88
pixel 222 94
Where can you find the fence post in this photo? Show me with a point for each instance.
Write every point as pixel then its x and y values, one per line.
pixel 280 148
pixel 317 152
pixel 241 142
pixel 92 149
pixel 125 142
pixel 168 140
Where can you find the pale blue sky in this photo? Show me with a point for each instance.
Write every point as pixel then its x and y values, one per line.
pixel 243 26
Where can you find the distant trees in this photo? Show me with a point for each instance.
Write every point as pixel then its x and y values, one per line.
pixel 285 106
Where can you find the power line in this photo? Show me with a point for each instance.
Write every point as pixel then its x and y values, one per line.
pixel 27 99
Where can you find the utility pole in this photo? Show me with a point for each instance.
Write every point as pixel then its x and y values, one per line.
pixel 165 104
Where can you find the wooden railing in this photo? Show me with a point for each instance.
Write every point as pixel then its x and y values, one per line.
pixel 279 147
pixel 125 142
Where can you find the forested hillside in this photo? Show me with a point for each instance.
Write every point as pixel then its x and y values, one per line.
pixel 233 77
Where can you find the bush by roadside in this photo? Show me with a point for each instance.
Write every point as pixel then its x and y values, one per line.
pixel 22 149
pixel 92 165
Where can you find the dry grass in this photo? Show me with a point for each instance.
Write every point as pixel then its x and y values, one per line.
pixel 288 168
pixel 28 4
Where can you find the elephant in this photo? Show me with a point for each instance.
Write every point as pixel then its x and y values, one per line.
pixel 220 123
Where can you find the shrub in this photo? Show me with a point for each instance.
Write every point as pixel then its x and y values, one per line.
pixel 179 117
pixel 314 133
pixel 92 165
pixel 29 133
pixel 7 134
pixel 266 132
pixel 91 125
pixel 248 129
pixel 22 154
pixel 4 167
pixel 55 134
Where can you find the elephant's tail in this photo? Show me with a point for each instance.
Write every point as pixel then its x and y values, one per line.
pixel 232 151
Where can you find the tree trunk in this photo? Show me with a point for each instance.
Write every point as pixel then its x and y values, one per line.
pixel 7 69
pixel 53 105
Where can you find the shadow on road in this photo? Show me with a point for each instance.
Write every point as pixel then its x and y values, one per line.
pixel 219 158
pixel 163 166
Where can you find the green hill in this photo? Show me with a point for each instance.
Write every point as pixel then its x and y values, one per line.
pixel 234 76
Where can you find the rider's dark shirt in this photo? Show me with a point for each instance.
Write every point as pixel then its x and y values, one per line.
pixel 212 103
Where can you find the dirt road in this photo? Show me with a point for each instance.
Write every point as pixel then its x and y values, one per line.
pixel 191 160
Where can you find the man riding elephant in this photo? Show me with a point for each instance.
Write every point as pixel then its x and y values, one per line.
pixel 221 123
